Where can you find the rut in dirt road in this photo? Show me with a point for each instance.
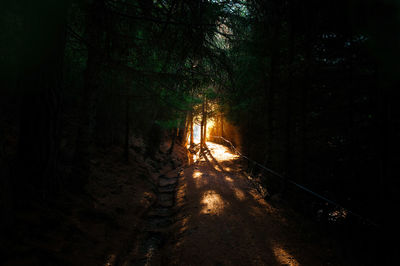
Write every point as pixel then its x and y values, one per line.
pixel 224 221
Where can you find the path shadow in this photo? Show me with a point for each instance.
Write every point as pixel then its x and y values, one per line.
pixel 223 222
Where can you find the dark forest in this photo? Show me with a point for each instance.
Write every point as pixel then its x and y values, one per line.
pixel 208 132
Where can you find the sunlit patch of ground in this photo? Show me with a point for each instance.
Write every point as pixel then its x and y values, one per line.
pixel 195 157
pixel 110 260
pixel 283 257
pixel 221 153
pixel 212 202
pixel 229 219
pixel 227 178
pixel 201 182
pixel 197 174
pixel 239 194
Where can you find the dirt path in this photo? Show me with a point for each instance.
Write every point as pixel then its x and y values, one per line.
pixel 224 221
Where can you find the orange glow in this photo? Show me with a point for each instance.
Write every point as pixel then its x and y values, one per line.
pixel 200 179
pixel 210 125
pixel 220 152
pixel 197 131
pixel 227 178
pixel 110 260
pixel 197 174
pixel 184 225
pixel 283 256
pixel 212 202
pixel 239 194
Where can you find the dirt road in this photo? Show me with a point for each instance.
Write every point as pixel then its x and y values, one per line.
pixel 224 221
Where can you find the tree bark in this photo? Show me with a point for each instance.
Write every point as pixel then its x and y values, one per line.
pixel 174 136
pixel 191 129
pixel 205 124
pixel 222 126
pixel 186 129
pixel 41 76
pixel 94 34
pixel 289 101
pixel 202 128
pixel 127 129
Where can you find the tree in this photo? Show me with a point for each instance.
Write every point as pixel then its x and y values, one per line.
pixel 40 82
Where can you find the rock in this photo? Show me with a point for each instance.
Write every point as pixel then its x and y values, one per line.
pixel 165 200
pixel 160 212
pixel 172 174
pixel 166 189
pixel 166 203
pixel 154 223
pixel 166 169
pixel 162 182
pixel 165 196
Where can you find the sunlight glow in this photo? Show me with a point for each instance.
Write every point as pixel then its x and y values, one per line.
pixel 184 225
pixel 227 178
pixel 197 174
pixel 110 260
pixel 239 194
pixel 196 133
pixel 221 153
pixel 210 125
pixel 283 257
pixel 212 202
pixel 200 179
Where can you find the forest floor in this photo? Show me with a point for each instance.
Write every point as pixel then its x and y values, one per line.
pixel 224 221
pixel 162 211
pixel 98 227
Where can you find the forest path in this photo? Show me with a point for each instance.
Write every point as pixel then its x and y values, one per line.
pixel 224 221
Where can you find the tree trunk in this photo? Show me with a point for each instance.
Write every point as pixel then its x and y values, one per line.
pixel 127 129
pixel 222 126
pixel 174 135
pixel 202 128
pixel 186 129
pixel 191 129
pixel 217 129
pixel 270 91
pixel 205 124
pixel 40 84
pixel 182 130
pixel 304 97
pixel 289 101
pixel 94 34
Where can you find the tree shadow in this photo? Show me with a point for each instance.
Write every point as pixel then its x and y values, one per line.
pixel 224 221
